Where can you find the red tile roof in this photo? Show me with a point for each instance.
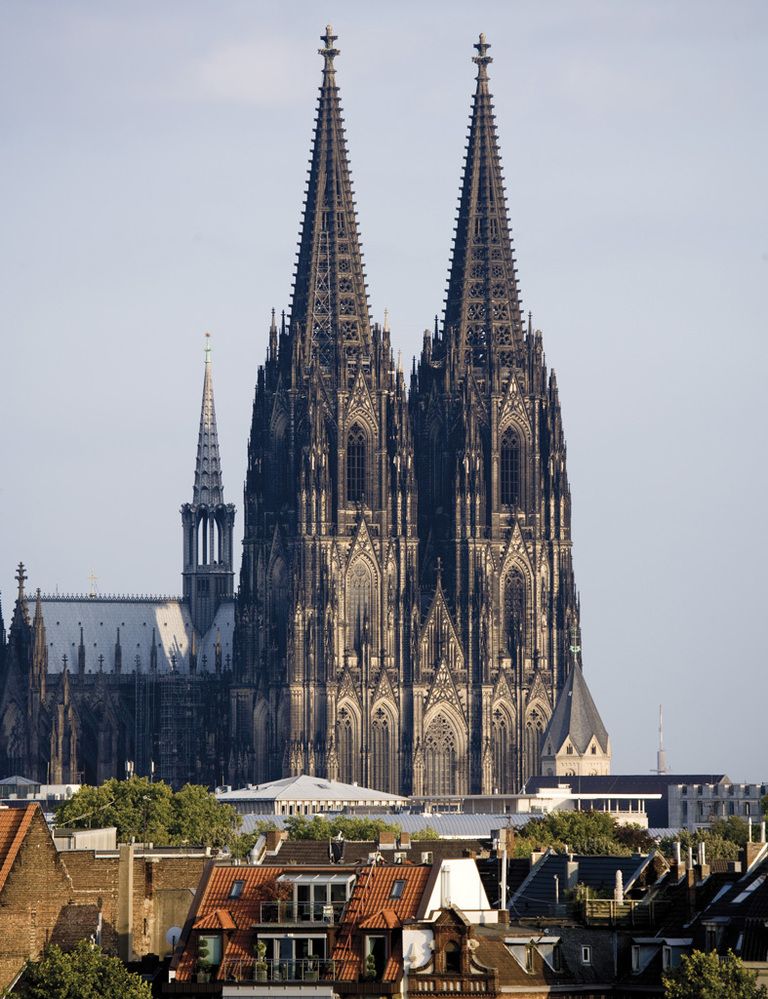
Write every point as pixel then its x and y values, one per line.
pixel 14 823
pixel 373 907
pixel 218 910
pixel 219 919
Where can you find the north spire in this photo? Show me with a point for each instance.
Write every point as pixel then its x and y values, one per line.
pixel 209 485
pixel 329 312
pixel 483 314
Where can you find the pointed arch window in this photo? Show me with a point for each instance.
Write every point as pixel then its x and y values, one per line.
pixel 356 464
pixel 381 773
pixel 534 730
pixel 347 742
pixel 503 771
pixel 510 467
pixel 359 602
pixel 440 757
pixel 514 611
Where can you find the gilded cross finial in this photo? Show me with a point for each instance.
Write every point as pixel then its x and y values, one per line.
pixel 482 58
pixel 328 52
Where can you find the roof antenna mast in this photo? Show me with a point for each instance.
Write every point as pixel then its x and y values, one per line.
pixel 661 756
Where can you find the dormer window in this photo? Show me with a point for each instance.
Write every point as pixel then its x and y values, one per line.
pixel 237 889
pixel 397 889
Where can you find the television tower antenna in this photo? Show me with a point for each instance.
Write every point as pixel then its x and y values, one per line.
pixel 661 756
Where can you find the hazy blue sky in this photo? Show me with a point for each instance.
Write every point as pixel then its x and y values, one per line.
pixel 152 162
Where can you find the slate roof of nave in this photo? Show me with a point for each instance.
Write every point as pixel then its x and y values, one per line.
pixel 136 617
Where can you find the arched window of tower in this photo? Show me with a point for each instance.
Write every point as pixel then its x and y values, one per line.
pixel 356 464
pixel 510 467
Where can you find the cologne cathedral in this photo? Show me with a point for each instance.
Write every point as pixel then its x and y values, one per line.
pixel 407 616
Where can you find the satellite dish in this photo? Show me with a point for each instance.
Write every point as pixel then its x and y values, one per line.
pixel 172 936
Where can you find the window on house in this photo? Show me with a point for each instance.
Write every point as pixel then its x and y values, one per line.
pixel 237 889
pixel 452 957
pixel 569 750
pixel 594 750
pixel 397 889
pixel 586 955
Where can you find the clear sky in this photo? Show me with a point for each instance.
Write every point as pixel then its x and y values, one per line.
pixel 153 157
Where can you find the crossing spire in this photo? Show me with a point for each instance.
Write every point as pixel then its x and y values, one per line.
pixel 209 486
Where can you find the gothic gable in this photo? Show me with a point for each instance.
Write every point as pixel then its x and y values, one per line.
pixel 512 408
pixel 444 690
pixel 363 546
pixel 360 404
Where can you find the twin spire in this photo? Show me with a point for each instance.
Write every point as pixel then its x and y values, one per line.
pixel 329 312
pixel 483 313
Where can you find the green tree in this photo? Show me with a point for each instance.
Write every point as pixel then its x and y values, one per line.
pixel 707 976
pixel 589 832
pixel 723 839
pixel 428 832
pixel 351 827
pixel 85 972
pixel 198 818
pixel 151 813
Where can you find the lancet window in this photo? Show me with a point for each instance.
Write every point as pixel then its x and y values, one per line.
pixel 510 467
pixel 381 762
pixel 356 464
pixel 440 757
pixel 359 602
pixel 514 611
pixel 534 730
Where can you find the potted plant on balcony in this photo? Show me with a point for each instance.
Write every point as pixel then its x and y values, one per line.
pixel 204 963
pixel 312 969
pixel 204 971
pixel 261 961
pixel 370 967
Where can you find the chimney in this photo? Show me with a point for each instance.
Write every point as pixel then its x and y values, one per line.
pixel 386 841
pixel 273 839
pixel 618 891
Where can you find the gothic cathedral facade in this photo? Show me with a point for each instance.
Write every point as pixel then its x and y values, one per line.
pixel 407 615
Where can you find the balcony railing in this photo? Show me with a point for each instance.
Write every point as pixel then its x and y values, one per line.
pixel 630 912
pixel 297 913
pixel 308 969
pixel 436 984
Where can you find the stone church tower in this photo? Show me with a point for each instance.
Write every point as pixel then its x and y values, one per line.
pixel 327 615
pixel 414 646
pixel 494 501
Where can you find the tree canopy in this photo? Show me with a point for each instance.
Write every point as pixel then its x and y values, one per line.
pixel 152 813
pixel 707 976
pixel 589 832
pixel 723 839
pixel 350 827
pixel 85 972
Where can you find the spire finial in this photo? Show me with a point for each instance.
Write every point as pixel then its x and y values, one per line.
pixel 482 58
pixel 21 578
pixel 386 320
pixel 207 347
pixel 328 52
